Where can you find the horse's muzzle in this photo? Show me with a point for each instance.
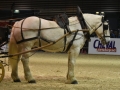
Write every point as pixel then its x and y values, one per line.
pixel 104 42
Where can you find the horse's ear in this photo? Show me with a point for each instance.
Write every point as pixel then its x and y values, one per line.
pixel 102 19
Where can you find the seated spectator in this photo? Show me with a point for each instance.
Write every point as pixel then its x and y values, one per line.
pixel 119 35
pixel 116 34
pixel 112 35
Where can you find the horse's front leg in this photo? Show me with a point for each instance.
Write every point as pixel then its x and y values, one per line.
pixel 27 72
pixel 72 54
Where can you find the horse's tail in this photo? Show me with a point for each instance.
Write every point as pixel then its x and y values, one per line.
pixel 13 47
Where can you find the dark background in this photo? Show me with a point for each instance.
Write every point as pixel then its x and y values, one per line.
pixel 49 8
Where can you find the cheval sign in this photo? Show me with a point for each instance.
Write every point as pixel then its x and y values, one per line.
pixel 110 47
pixel 113 47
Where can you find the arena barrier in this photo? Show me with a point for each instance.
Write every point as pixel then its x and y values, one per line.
pixel 112 48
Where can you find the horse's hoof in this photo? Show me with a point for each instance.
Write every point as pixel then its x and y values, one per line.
pixel 17 80
pixel 32 81
pixel 74 82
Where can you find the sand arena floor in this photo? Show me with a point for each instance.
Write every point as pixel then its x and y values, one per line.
pixel 94 72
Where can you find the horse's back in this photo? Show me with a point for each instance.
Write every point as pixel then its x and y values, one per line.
pixel 34 23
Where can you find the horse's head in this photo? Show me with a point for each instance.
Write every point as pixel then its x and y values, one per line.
pixel 97 24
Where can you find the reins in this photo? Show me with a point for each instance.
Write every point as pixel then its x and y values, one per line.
pixel 51 43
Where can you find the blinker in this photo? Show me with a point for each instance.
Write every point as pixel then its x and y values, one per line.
pixel 105 27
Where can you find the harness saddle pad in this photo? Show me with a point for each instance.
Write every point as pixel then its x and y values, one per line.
pixel 62 20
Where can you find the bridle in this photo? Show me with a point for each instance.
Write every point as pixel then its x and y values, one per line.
pixel 105 28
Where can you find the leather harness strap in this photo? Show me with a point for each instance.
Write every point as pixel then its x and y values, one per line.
pixel 71 42
pixel 37 37
pixel 21 29
pixel 39 32
pixel 65 39
pixel 41 38
pixel 83 23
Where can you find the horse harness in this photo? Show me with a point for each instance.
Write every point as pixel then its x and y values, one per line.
pixel 84 26
pixel 105 27
pixel 63 22
pixel 83 23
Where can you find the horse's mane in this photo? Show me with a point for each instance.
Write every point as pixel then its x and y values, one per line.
pixel 95 16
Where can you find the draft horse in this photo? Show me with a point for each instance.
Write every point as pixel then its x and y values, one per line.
pixel 48 31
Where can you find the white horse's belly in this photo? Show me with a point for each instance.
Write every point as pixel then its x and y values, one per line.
pixel 59 46
pixel 55 47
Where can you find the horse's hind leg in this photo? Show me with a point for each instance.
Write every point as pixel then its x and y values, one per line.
pixel 14 65
pixel 28 75
pixel 72 55
pixel 14 61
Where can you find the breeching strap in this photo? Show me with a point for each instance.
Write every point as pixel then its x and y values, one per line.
pixel 24 40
